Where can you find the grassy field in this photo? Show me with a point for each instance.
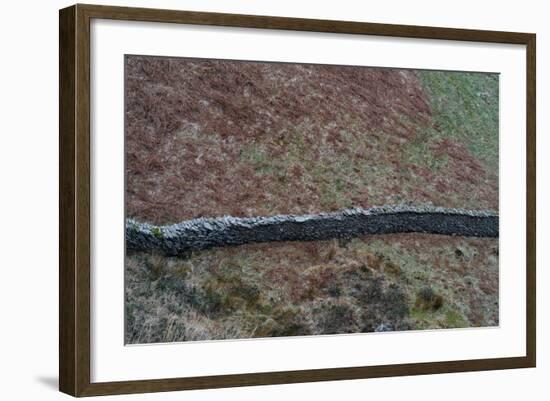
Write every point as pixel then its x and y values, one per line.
pixel 213 138
pixel 400 281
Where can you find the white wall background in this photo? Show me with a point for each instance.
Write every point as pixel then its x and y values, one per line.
pixel 28 201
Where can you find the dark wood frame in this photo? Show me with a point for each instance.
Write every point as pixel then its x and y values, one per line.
pixel 74 199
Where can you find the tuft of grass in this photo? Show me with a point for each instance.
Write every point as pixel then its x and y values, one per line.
pixel 454 319
pixel 335 316
pixel 157 232
pixel 427 298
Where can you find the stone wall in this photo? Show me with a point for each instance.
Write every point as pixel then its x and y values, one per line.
pixel 204 233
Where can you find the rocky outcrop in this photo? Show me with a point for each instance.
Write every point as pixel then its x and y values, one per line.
pixel 204 233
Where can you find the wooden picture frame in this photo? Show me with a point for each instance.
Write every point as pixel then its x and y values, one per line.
pixel 74 200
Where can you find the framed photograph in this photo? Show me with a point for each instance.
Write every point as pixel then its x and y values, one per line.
pixel 250 200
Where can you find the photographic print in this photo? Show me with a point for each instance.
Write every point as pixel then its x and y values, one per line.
pixel 268 199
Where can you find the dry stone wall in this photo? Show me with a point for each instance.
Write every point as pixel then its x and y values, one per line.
pixel 204 233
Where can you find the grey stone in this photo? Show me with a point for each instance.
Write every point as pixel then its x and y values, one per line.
pixel 383 327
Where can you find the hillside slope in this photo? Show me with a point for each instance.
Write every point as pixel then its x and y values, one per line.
pixel 212 138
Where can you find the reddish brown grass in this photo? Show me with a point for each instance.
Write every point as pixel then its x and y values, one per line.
pixel 192 126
